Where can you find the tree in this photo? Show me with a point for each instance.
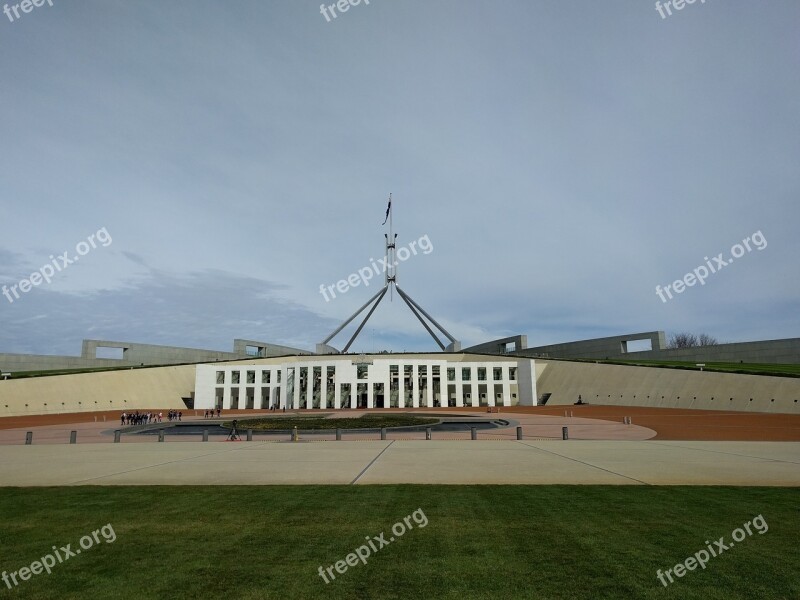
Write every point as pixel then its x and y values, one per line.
pixel 707 340
pixel 690 340
pixel 682 340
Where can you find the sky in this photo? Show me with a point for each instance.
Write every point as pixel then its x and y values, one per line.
pixel 212 165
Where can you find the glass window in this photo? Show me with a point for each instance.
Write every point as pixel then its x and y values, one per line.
pixel 279 375
pixel 481 373
pixel 451 374
pixel 235 377
pixel 423 370
pixel 363 371
pixel 465 374
pixel 220 377
pixel 251 377
pixel 265 377
pixel 512 373
pixel 498 373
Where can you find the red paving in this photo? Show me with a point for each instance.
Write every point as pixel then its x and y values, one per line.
pixel 670 424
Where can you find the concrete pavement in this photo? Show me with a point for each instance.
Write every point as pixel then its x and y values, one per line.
pixel 405 461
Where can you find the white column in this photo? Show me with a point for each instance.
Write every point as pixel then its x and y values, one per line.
pixel 226 393
pixel 415 382
pixel 337 389
pixel 296 398
pixel 429 381
pixel 323 387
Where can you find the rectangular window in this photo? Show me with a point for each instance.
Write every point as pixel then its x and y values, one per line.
pixel 220 377
pixel 363 371
pixel 235 377
pixel 481 373
pixel 265 377
pixel 451 374
pixel 512 373
pixel 279 375
pixel 465 374
pixel 498 373
pixel 251 377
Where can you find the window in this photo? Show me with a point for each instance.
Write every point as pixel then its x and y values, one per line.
pixel 497 373
pixel 220 377
pixel 451 374
pixel 362 371
pixel 235 377
pixel 465 374
pixel 481 373
pixel 512 373
pixel 265 377
pixel 251 377
pixel 279 375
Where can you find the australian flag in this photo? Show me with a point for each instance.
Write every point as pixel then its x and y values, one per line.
pixel 388 209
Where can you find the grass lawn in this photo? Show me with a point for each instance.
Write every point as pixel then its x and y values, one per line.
pixel 540 542
pixel 368 421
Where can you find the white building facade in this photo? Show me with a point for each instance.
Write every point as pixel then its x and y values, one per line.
pixel 367 381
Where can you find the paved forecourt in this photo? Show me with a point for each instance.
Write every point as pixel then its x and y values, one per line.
pixel 405 461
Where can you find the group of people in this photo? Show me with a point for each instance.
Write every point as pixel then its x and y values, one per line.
pixel 209 414
pixel 138 418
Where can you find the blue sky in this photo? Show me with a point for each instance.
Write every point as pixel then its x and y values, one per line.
pixel 563 158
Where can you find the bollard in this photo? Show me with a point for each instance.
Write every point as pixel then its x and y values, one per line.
pixel 629 421
pixel 205 435
pixel 473 433
pixel 116 436
pixel 519 433
pixel 29 438
pixel 427 433
pixel 249 435
pixel 294 434
pixel 564 433
pixel 104 418
pixel 160 435
pixel 73 437
pixel 338 434
pixel 383 433
pixel 571 414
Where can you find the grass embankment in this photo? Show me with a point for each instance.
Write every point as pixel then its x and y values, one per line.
pixel 779 370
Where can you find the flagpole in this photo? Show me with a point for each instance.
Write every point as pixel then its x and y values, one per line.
pixel 392 246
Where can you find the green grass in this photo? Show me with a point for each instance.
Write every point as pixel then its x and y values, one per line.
pixel 594 542
pixel 779 370
pixel 368 421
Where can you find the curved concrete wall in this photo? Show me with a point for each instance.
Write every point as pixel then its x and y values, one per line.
pixel 159 387
pixel 666 388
